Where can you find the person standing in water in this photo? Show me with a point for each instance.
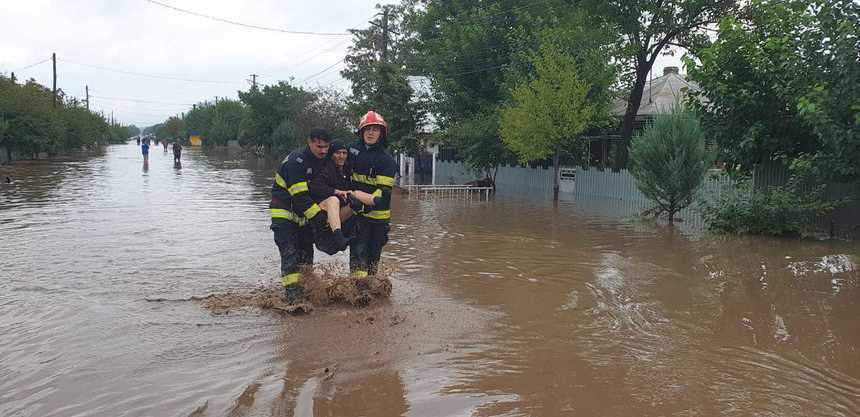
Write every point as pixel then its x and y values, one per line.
pixel 144 148
pixel 177 151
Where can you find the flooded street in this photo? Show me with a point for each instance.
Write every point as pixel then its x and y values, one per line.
pixel 511 307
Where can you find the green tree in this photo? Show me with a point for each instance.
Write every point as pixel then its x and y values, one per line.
pixel 276 117
pixel 644 30
pixel 467 50
pixel 549 112
pixel 781 84
pixel 669 160
pixel 376 64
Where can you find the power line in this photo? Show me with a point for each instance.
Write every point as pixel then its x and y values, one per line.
pixel 308 59
pixel 140 74
pixel 140 101
pixel 246 25
pixel 33 65
pixel 321 72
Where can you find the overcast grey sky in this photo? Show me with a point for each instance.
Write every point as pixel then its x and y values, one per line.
pixel 142 37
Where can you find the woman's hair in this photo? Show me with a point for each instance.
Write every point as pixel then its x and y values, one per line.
pixel 335 146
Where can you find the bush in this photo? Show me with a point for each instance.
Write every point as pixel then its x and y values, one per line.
pixel 788 210
pixel 669 161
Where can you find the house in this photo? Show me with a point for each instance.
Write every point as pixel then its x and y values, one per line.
pixel 658 96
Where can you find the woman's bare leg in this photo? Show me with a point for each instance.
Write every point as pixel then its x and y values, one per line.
pixel 331 206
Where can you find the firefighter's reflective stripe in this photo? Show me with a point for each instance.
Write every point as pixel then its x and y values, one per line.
pixel 280 181
pixel 298 187
pixel 359 274
pixel 385 180
pixel 311 212
pixel 290 279
pixel 378 214
pixel 377 193
pixel 364 179
pixel 289 215
pixel 375 180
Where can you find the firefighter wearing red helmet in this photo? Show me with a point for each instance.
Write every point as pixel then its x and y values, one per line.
pixel 373 173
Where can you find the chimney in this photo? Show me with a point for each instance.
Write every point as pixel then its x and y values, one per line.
pixel 670 70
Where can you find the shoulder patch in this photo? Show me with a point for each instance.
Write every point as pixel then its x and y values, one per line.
pixel 299 159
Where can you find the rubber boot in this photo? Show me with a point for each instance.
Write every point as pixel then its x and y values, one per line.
pixel 341 240
pixel 294 294
pixel 362 288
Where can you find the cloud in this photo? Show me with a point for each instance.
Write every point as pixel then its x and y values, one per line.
pixel 138 36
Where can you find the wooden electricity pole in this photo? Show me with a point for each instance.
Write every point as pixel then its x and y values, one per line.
pixel 54 59
pixel 87 89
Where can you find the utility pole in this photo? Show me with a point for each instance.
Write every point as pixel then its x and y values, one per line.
pixel 87 89
pixel 384 27
pixel 54 59
pixel 254 81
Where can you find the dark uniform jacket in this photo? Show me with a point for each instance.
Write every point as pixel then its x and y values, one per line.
pixel 329 179
pixel 291 200
pixel 373 172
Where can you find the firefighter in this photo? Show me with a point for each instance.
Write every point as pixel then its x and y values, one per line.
pixel 373 171
pixel 295 214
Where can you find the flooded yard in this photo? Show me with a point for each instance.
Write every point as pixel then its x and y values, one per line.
pixel 513 307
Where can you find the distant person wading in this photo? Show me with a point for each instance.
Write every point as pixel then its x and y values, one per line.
pixel 177 151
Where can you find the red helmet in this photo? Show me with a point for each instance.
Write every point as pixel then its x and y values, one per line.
pixel 373 118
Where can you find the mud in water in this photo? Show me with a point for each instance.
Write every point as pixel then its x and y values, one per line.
pixel 326 285
pixel 153 291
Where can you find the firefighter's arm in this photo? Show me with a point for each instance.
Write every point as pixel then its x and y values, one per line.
pixel 293 178
pixel 384 183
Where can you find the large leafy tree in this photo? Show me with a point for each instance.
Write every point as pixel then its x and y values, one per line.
pixel 781 84
pixel 644 30
pixel 548 113
pixel 376 64
pixel 276 116
pixel 473 52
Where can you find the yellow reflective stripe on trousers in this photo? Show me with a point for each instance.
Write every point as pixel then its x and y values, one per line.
pixel 359 274
pixel 364 179
pixel 378 214
pixel 298 187
pixel 290 279
pixel 385 180
pixel 289 215
pixel 280 181
pixel 311 212
pixel 377 193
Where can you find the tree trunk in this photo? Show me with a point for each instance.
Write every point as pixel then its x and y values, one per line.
pixel 632 108
pixel 555 169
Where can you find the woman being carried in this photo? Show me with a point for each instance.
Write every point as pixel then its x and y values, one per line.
pixel 330 189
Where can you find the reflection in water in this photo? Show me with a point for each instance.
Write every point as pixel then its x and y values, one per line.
pixel 505 307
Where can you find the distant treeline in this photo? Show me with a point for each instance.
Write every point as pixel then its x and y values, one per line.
pixel 277 117
pixel 30 123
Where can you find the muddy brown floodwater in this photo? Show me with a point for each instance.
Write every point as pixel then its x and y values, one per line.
pixel 513 307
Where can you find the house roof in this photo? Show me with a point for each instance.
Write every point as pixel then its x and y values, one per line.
pixel 659 95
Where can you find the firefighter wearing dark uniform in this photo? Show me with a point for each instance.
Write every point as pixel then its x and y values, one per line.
pixel 373 171
pixel 293 209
